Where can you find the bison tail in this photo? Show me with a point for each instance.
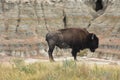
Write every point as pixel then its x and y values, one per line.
pixel 47 36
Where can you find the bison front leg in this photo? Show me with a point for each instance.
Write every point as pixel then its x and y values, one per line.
pixel 74 54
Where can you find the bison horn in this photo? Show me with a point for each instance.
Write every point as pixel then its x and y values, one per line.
pixel 92 36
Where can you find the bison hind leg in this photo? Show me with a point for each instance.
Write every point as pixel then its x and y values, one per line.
pixel 51 44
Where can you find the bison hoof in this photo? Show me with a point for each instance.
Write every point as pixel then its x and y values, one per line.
pixel 52 60
pixel 75 60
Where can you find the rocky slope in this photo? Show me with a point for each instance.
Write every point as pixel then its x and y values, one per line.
pixel 24 23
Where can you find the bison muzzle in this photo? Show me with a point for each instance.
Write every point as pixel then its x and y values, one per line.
pixel 75 38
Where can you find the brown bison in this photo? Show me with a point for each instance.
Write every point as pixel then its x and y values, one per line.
pixel 75 38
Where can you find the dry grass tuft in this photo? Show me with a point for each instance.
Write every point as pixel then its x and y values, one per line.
pixel 66 70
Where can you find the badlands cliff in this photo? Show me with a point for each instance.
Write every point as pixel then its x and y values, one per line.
pixel 24 23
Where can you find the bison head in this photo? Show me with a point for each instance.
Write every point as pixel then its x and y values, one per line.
pixel 93 42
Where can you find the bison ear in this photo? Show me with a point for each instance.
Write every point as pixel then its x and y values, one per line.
pixel 92 36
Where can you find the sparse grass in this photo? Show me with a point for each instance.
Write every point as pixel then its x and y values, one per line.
pixel 66 70
pixel 82 52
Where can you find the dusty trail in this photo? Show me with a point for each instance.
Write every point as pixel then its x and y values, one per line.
pixel 7 60
pixel 80 59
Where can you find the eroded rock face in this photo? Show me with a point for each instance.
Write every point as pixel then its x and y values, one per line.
pixel 25 22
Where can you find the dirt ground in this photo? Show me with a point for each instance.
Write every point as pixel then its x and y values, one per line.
pixel 7 60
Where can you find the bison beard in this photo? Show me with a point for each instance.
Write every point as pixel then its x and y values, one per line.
pixel 75 38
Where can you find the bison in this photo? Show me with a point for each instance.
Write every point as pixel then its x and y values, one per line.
pixel 75 38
